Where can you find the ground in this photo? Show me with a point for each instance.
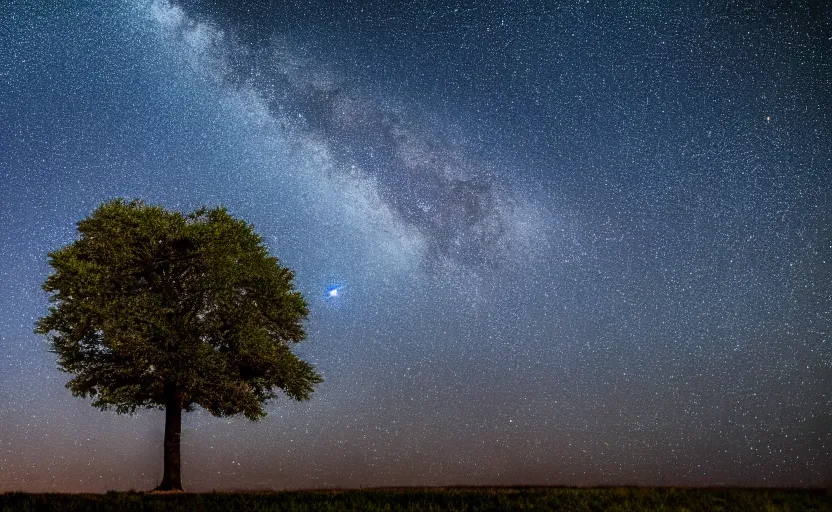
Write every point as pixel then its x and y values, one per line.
pixel 437 499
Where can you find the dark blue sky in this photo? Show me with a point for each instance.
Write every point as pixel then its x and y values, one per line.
pixel 581 243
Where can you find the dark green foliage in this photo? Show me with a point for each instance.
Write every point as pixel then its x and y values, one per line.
pixel 416 500
pixel 148 300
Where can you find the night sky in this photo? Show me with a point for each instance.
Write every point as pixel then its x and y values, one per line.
pixel 573 243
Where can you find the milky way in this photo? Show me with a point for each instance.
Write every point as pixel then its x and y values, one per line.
pixel 422 175
pixel 571 245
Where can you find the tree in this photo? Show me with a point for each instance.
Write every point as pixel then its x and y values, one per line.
pixel 157 309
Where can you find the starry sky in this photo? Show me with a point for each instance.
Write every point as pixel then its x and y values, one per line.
pixel 574 243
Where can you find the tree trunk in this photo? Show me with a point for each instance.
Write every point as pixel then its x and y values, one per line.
pixel 171 479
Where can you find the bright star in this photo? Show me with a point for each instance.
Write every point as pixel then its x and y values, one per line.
pixel 333 291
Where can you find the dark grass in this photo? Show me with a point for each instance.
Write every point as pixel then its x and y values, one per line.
pixel 468 499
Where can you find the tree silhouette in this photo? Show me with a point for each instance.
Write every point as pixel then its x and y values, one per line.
pixel 157 309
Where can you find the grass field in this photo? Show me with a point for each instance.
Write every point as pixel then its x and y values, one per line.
pixel 436 499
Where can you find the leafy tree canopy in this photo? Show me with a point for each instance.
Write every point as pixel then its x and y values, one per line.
pixel 149 301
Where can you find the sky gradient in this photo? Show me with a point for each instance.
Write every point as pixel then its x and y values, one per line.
pixel 574 243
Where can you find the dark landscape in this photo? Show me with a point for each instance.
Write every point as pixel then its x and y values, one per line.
pixel 468 499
